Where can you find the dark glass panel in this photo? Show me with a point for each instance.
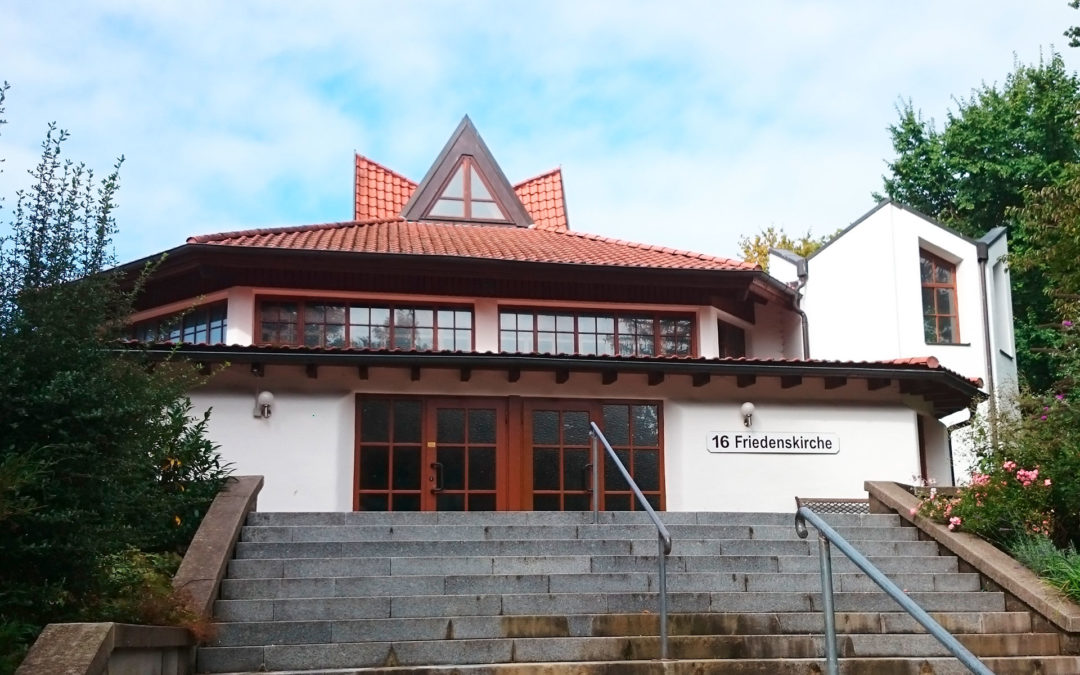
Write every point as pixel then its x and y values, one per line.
pixel 645 346
pixel 646 426
pixel 626 345
pixel 374 502
pixel 613 479
pixel 617 424
pixel 546 503
pixel 947 326
pixel 617 502
pixel 575 427
pixel 545 469
pixel 313 335
pixel 375 420
pixel 654 502
pixel 314 313
pixel 943 274
pixel 647 470
pixel 481 502
pixel 482 426
pixel 406 468
pixel 335 313
pixel 925 269
pixel 374 467
pixel 444 502
pixel 930 329
pixel 453 462
pixel 545 425
pixel 450 425
pixel 928 300
pixel 407 421
pixel 944 301
pixel 406 502
pixel 577 502
pixel 575 476
pixel 335 336
pixel 481 468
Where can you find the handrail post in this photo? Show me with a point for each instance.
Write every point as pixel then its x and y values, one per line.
pixel 595 478
pixel 828 608
pixel 663 597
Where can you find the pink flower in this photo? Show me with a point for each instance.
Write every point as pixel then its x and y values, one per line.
pixel 1043 418
pixel 1060 397
pixel 1066 323
pixel 954 523
pixel 913 511
pixel 1009 465
pixel 1046 482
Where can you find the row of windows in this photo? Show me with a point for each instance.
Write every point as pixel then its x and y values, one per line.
pixel 200 325
pixel 347 325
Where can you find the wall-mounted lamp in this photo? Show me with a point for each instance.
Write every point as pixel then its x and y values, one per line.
pixel 264 404
pixel 747 411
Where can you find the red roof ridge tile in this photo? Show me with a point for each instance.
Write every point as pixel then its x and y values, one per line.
pixel 285 229
pixel 388 170
pixel 537 177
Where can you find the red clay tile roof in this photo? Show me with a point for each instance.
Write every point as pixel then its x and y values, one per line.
pixel 464 240
pixel 381 194
pixel 544 199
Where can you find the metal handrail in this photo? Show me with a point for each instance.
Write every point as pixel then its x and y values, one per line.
pixel 662 535
pixel 825 535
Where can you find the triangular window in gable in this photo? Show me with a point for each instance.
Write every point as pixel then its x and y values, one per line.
pixel 466 184
pixel 467 196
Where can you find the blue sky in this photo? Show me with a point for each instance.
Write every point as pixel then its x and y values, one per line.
pixel 686 124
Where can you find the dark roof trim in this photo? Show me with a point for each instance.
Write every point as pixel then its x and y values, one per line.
pixel 882 204
pixel 465 141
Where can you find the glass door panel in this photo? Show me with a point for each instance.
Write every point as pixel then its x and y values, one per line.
pixel 560 449
pixel 464 463
pixel 388 458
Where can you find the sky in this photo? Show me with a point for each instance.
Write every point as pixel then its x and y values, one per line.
pixel 685 124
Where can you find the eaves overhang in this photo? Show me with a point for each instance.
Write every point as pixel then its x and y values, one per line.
pixel 946 391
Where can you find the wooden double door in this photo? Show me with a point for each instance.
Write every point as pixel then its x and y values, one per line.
pixel 496 454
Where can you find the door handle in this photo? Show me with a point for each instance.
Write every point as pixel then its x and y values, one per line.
pixel 438 467
pixel 586 477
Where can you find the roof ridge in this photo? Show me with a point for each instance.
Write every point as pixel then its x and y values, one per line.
pixel 207 238
pixel 556 170
pixel 385 168
pixel 663 249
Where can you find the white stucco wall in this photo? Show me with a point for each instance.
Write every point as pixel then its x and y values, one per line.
pixel 306 449
pixel 875 444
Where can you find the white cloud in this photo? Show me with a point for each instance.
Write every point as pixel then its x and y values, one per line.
pixel 678 123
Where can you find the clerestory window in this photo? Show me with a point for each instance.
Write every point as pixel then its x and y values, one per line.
pixel 467 196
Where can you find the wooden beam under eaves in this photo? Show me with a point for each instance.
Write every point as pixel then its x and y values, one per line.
pixel 789 381
pixel 513 374
pixel 414 373
pixel 875 383
pixel 834 382
pixel 700 379
pixel 562 375
pixel 909 387
pixel 362 372
pixel 655 378
pixel 609 376
pixel 312 371
pixel 466 374
pixel 258 370
pixel 743 381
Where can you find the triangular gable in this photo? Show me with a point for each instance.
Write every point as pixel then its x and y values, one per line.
pixel 466 184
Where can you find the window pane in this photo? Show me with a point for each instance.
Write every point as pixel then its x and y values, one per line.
pixel 928 300
pixel 587 324
pixel 446 338
pixel 507 321
pixel 359 315
pixel 926 269
pixel 575 428
pixel 375 421
pixel 943 274
pixel 374 468
pixel 424 317
pixel 617 424
pixel 463 340
pixel 380 316
pixel 605 324
pixel 487 210
pixel 424 339
pixel 507 341
pixel 944 301
pixel 646 426
pixel 566 343
pixel 947 325
pixel 406 421
pixel 525 343
pixel 335 336
pixel 448 208
pixel 463 318
pixel 456 186
pixel 545 343
pixel 477 187
pixel 545 427
pixel 545 469
pixel 545 322
pixel 587 344
pixel 565 322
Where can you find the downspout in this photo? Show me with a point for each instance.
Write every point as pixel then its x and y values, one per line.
pixel 982 250
pixel 803 270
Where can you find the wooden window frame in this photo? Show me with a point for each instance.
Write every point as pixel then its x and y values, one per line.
pixel 731 340
pixel 658 332
pixel 392 326
pixel 937 262
pixel 467 166
pixel 185 322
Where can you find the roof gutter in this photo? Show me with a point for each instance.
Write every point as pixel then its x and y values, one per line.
pixel 982 250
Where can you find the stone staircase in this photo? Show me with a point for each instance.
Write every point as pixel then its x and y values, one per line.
pixel 531 592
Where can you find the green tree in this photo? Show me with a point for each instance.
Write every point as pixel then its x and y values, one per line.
pixel 99 454
pixel 756 249
pixel 1000 144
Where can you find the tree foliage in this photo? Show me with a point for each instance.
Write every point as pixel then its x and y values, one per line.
pixel 1000 144
pixel 756 249
pixel 99 452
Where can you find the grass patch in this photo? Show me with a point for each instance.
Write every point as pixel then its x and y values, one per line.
pixel 1058 567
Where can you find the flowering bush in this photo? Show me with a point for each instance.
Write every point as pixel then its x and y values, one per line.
pixel 1024 482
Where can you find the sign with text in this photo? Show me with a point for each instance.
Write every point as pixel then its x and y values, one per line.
pixel 773 442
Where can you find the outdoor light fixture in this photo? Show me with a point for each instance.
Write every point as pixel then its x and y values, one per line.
pixel 747 411
pixel 264 404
